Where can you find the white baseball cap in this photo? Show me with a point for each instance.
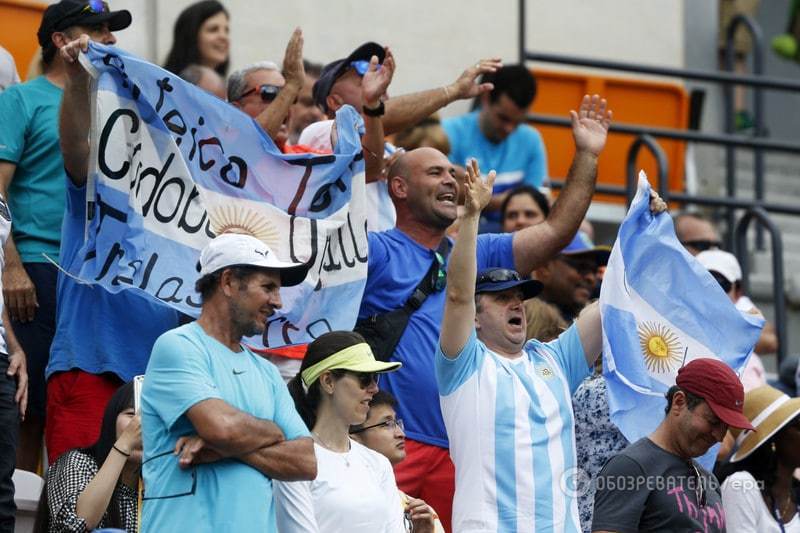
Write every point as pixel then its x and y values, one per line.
pixel 723 262
pixel 236 249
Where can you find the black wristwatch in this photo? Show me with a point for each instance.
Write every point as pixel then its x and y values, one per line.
pixel 376 111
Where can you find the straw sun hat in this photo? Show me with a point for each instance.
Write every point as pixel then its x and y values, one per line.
pixel 769 410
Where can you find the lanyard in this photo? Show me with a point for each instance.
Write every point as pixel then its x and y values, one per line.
pixel 778 516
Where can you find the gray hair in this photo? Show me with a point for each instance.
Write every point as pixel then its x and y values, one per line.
pixel 237 83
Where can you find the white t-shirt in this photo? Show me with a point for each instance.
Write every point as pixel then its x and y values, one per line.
pixel 5 231
pixel 745 510
pixel 355 492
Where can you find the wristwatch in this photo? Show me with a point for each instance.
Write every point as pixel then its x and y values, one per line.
pixel 375 111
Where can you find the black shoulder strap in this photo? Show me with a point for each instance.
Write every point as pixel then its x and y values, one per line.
pixel 425 287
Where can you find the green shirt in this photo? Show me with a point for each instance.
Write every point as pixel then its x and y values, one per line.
pixel 29 139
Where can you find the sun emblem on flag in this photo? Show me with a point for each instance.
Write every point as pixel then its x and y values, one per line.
pixel 228 218
pixel 660 346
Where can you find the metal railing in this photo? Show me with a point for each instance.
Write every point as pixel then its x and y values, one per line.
pixel 756 209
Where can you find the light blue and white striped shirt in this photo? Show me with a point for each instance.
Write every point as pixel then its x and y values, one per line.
pixel 512 436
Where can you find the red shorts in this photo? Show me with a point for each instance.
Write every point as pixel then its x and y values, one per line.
pixel 75 404
pixel 428 473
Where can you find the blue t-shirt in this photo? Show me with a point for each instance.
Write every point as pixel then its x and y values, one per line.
pixel 396 266
pixel 98 331
pixel 520 158
pixel 512 434
pixel 188 366
pixel 29 139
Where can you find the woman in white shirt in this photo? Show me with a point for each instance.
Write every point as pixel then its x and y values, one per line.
pixel 761 496
pixel 355 489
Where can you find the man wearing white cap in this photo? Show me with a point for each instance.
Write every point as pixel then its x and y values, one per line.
pixel 201 380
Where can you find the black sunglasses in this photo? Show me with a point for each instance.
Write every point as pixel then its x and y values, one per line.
pixel 702 245
pixel 365 379
pixel 267 92
pixel 498 275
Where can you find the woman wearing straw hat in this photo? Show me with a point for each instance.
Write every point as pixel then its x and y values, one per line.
pixel 355 489
pixel 761 495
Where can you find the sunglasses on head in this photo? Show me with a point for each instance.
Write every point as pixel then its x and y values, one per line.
pixel 95 6
pixel 499 275
pixel 702 245
pixel 361 66
pixel 267 92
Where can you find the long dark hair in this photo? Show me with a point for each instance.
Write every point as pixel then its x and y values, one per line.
pixel 535 194
pixel 321 348
pixel 184 50
pixel 119 402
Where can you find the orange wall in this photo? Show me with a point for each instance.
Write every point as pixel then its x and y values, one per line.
pixel 19 22
pixel 633 101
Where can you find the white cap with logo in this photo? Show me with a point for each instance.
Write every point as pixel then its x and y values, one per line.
pixel 235 249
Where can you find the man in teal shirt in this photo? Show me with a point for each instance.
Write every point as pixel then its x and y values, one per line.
pixel 223 408
pixel 32 179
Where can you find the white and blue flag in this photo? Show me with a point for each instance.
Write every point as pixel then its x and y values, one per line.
pixel 171 166
pixel 661 309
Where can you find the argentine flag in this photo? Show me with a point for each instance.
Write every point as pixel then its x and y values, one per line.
pixel 661 309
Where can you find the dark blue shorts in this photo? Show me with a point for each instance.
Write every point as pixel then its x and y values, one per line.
pixel 37 335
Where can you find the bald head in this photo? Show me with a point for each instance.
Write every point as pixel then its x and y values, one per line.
pixel 696 233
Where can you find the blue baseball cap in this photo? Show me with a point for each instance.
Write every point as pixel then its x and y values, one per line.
pixel 502 279
pixel 581 244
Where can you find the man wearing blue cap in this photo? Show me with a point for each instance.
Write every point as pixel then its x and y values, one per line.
pixel 569 279
pixel 507 403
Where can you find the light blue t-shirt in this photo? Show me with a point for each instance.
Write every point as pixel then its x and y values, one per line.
pixel 512 434
pixel 186 367
pixel 98 331
pixel 29 139
pixel 520 158
pixel 396 265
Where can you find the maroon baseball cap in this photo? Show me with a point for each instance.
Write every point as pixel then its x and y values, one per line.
pixel 715 382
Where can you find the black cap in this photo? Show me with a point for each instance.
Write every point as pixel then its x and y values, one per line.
pixel 503 279
pixel 68 13
pixel 332 71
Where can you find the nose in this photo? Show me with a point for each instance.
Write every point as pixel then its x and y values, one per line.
pixel 373 387
pixel 275 299
pixel 398 431
pixel 109 38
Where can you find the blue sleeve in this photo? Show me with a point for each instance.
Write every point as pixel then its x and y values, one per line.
pixel 452 373
pixel 568 353
pixel 13 123
pixel 286 416
pixel 495 250
pixel 536 169
pixel 177 377
pixel 376 251
pixel 451 129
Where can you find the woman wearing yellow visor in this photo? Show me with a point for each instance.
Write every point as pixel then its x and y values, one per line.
pixel 355 490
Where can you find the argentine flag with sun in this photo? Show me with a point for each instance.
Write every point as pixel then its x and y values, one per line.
pixel 661 309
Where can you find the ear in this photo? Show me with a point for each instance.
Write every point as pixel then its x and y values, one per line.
pixel 542 273
pixel 227 283
pixel 398 186
pixel 485 100
pixel 60 39
pixel 678 403
pixel 334 102
pixel 326 382
pixel 236 104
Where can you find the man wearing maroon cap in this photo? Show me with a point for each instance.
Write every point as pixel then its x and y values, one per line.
pixel 654 484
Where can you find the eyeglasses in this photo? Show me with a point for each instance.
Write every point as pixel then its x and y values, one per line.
pixel 724 283
pixel 362 66
pixel 267 92
pixel 699 490
pixel 391 424
pixel 498 275
pixel 95 6
pixel 365 379
pixel 702 245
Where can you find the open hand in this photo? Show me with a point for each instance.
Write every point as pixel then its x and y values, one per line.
pixel 293 69
pixel 377 79
pixel 477 192
pixel 590 124
pixel 465 86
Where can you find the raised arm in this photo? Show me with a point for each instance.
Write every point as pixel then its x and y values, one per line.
pixel 230 431
pixel 459 309
pixel 275 114
pixel 374 84
pixel 75 115
pixel 405 111
pixel 536 244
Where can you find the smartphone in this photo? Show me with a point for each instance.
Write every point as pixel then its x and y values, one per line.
pixel 138 381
